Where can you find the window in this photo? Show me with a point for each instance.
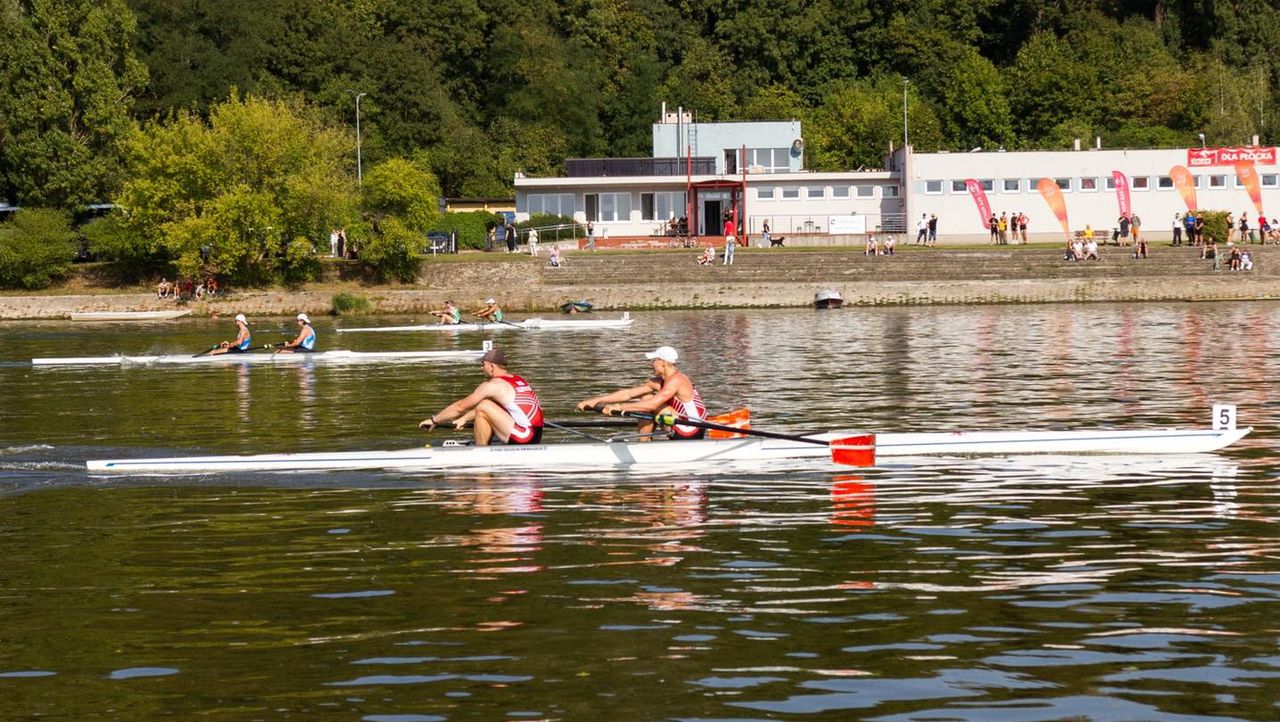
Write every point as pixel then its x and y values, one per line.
pixel 1111 183
pixel 1270 180
pixel 790 193
pixel 646 207
pixel 555 204
pixel 819 192
pixel 614 207
pixel 1164 182
pixel 839 191
pixel 1088 184
pixel 933 186
pixel 888 191
pixel 958 186
pixel 772 160
pixel 1012 185
pixel 765 194
pixel 1140 183
pixel 1199 182
pixel 1063 183
pixel 668 204
pixel 1217 181
pixel 866 191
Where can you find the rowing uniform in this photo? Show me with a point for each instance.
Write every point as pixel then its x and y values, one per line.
pixel 525 411
pixel 455 315
pixel 309 343
pixel 692 409
pixel 498 316
pixel 243 345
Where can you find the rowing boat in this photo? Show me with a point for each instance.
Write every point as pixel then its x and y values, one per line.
pixel 129 315
pixel 578 456
pixel 336 356
pixel 528 324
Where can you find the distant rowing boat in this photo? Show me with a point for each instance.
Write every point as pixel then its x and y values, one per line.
pixel 129 315
pixel 578 456
pixel 528 324
pixel 337 356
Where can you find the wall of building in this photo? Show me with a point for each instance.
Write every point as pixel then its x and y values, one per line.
pixel 670 140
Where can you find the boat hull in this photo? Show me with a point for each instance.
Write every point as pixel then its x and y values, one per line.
pixel 336 356
pixel 574 457
pixel 129 315
pixel 827 299
pixel 528 324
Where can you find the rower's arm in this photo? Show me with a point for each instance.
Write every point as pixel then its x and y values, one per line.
pixel 618 396
pixel 461 407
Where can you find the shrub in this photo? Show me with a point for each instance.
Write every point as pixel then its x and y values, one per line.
pixel 389 251
pixel 131 256
pixel 36 249
pixel 350 304
pixel 1215 225
pixel 472 226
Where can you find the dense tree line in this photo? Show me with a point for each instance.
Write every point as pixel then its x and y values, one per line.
pixel 469 92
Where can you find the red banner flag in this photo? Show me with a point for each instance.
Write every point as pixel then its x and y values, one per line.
pixel 980 198
pixel 1186 185
pixel 1248 176
pixel 1048 188
pixel 1122 193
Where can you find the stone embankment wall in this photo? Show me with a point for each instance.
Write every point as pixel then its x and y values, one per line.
pixel 758 278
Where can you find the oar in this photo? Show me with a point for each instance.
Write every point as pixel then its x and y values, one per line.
pixel 487 320
pixel 212 348
pixel 852 450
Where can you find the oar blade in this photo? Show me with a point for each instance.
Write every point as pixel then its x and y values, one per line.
pixel 859 450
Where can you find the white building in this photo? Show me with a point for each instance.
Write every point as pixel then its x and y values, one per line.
pixel 756 172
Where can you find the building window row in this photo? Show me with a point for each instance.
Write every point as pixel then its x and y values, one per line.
pixel 769 193
pixel 1092 184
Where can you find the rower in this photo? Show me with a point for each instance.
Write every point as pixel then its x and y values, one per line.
pixel 450 315
pixel 668 391
pixel 490 312
pixel 306 340
pixel 242 342
pixel 503 409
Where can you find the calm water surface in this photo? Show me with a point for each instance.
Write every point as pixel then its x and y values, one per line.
pixel 1046 588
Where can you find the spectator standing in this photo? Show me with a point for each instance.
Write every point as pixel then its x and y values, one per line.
pixel 333 243
pixel 764 235
pixel 591 236
pixel 1022 226
pixel 491 238
pixel 1123 238
pixel 993 223
pixel 1135 226
pixel 1003 227
pixel 342 243
pixel 730 240
pixel 933 230
pixel 1177 229
pixel 922 229
pixel 1199 231
pixel 1246 233
pixel 510 234
pixel 533 241
pixel 1231 227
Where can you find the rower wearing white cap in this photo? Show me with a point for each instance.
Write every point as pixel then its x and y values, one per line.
pixel 668 391
pixel 504 407
pixel 242 342
pixel 490 311
pixel 306 340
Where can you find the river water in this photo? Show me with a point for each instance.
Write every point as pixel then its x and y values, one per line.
pixel 1041 588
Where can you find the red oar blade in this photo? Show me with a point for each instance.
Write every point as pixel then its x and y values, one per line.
pixel 854 450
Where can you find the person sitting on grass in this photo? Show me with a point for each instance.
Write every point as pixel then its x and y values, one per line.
pixel 708 256
pixel 554 259
pixel 1091 250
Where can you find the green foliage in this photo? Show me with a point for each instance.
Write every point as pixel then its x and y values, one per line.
pixel 1215 225
pixel 398 188
pixel 350 304
pixel 390 250
pixel 246 196
pixel 69 73
pixel 36 248
pixel 132 257
pixel 472 227
pixel 859 120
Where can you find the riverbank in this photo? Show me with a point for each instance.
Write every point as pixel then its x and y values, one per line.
pixel 633 280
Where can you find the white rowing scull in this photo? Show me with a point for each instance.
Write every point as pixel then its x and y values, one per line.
pixel 336 356
pixel 528 324
pixel 578 456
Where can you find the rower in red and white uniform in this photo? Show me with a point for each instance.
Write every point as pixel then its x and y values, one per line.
pixel 668 391
pixel 503 409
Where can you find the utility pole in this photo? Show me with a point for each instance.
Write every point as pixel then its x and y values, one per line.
pixel 904 112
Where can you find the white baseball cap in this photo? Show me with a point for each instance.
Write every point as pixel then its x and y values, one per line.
pixel 240 317
pixel 303 318
pixel 490 301
pixel 666 353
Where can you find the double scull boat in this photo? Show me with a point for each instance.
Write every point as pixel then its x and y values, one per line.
pixel 750 450
pixel 336 356
pixel 528 324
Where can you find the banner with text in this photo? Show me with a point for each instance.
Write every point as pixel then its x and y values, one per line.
pixel 1202 157
pixel 1186 185
pixel 1048 188
pixel 980 198
pixel 1248 176
pixel 1122 193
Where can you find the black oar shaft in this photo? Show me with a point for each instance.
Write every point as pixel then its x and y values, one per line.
pixel 699 423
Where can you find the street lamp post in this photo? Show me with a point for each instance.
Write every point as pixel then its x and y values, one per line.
pixel 359 164
pixel 1202 140
pixel 904 112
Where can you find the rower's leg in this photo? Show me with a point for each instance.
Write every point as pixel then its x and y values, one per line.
pixel 491 421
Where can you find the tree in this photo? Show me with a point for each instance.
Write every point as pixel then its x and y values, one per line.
pixel 36 248
pixel 70 74
pixel 398 188
pixel 858 120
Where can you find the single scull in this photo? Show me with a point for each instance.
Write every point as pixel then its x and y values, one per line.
pixel 129 315
pixel 528 324
pixel 573 457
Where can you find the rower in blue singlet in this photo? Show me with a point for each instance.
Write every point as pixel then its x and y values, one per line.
pixel 243 341
pixel 306 340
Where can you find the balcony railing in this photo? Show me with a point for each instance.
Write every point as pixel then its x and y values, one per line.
pixel 614 167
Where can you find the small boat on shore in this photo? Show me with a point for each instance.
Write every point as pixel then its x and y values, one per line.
pixel 749 450
pixel 579 306
pixel 336 356
pixel 129 315
pixel 528 324
pixel 827 298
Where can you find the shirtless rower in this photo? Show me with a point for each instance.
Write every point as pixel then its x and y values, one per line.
pixel 668 391
pixel 503 409
pixel 450 315
pixel 490 312
pixel 306 340
pixel 242 342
